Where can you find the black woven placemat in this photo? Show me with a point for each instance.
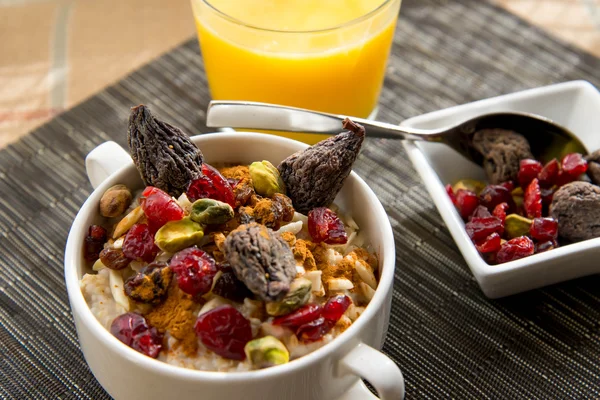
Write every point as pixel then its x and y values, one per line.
pixel 449 340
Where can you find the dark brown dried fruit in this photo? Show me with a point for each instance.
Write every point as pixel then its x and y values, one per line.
pixel 165 156
pixel 314 176
pixel 502 151
pixel 262 260
pixel 230 287
pixel 269 212
pixel 114 258
pixel 151 284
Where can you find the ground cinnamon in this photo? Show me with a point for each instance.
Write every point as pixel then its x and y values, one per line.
pixel 303 254
pixel 177 316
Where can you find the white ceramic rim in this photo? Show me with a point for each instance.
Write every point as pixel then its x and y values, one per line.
pixel 79 305
pixel 437 191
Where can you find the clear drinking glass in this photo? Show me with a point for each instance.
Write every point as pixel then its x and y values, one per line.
pixel 325 55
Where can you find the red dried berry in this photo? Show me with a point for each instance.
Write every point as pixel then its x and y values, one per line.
pixel 492 195
pixel 480 212
pixel 479 229
pixel 528 170
pixel 94 243
pixel 543 229
pixel 301 316
pixel 212 185
pixel 574 165
pixel 532 201
pixel 515 249
pixel 195 270
pixel 451 194
pixel 159 208
pixel 548 175
pixel 545 246
pixel 314 330
pixel 335 307
pixel 466 202
pixel 500 211
pixel 133 330
pixel 509 185
pixel 139 243
pixel 225 331
pixel 490 245
pixel 547 195
pixel 325 226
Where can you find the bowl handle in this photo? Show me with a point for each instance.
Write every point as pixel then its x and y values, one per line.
pixel 105 160
pixel 378 369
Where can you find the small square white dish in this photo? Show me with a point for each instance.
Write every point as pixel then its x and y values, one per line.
pixel 575 105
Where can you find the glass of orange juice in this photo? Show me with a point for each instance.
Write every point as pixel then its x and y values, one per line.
pixel 325 55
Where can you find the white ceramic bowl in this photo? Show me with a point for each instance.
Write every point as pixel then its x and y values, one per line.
pixel 576 105
pixel 331 372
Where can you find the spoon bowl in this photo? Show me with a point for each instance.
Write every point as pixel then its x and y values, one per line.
pixel 547 139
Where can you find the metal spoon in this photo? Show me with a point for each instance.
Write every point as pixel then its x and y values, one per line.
pixel 546 138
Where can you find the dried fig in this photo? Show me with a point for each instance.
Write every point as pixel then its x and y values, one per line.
pixel 165 156
pixel 262 260
pixel 314 176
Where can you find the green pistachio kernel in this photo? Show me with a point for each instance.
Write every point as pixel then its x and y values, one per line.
pixel 516 225
pixel 209 211
pixel 298 295
pixel 177 235
pixel 472 185
pixel 266 179
pixel 266 352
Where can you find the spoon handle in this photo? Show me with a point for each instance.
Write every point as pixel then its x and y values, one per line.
pixel 253 115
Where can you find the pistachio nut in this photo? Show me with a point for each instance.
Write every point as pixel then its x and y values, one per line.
pixel 516 225
pixel 266 352
pixel 209 211
pixel 115 201
pixel 177 235
pixel 299 294
pixel 472 185
pixel 266 179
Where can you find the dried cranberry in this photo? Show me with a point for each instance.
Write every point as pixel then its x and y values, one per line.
pixel 514 249
pixel 159 208
pixel 139 243
pixel 545 246
pixel 533 200
pixel 528 170
pixel 301 316
pixel 490 245
pixel 336 306
pixel 509 185
pixel 548 175
pixel 492 195
pixel 195 270
pixel 547 194
pixel 466 202
pixel 211 185
pixel 133 330
pixel 543 229
pixel 94 242
pixel 480 228
pixel 500 211
pixel 480 212
pixel 225 331
pixel 314 330
pixel 325 226
pixel 574 165
pixel 450 192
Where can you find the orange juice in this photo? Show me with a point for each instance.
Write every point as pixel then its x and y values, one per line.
pixel 326 55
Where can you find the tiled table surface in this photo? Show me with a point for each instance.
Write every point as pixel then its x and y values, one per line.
pixel 56 53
